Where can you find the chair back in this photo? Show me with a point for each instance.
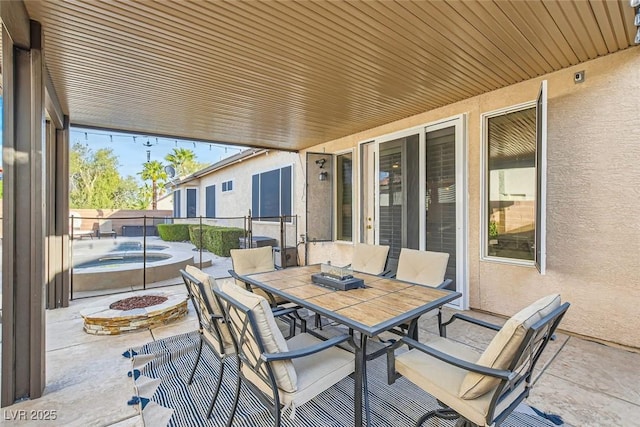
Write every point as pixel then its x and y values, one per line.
pixel 199 286
pixel 422 267
pixel 105 226
pixel 529 331
pixel 370 259
pixel 76 220
pixel 255 332
pixel 254 260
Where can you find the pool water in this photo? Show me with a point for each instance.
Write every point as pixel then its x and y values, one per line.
pixel 137 246
pixel 111 261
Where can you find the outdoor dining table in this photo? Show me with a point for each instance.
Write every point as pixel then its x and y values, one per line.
pixel 381 305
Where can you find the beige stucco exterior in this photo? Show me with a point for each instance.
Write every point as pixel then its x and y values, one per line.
pixel 593 228
pixel 593 196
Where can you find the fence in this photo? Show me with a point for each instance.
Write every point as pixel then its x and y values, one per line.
pixel 113 254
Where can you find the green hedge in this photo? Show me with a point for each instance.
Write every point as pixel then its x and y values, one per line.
pixel 220 240
pixel 194 235
pixel 173 232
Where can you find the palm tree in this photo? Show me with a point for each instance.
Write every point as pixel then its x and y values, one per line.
pixel 154 171
pixel 182 160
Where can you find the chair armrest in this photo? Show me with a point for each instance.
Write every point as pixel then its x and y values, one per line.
pixel 472 320
pixel 468 366
pixel 280 311
pixel 445 284
pixel 306 351
pixel 237 277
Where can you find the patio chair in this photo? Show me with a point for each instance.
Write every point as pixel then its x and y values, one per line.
pixel 371 259
pixel 425 268
pixel 281 373
pixel 260 260
pixel 76 227
pixel 212 330
pixel 105 228
pixel 480 389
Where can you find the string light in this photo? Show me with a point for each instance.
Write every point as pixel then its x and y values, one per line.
pixel 158 140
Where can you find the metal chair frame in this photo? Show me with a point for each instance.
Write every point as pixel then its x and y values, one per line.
pixel 244 332
pixel 518 373
pixel 212 322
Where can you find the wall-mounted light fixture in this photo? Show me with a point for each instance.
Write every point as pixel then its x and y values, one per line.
pixel 323 175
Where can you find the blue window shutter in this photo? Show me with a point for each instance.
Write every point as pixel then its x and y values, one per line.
pixel 211 201
pixel 191 203
pixel 255 195
pixel 285 191
pixel 270 195
pixel 176 203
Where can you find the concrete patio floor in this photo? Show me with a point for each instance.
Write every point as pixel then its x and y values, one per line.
pixel 586 383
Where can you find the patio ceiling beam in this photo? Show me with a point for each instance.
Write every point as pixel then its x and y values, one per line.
pixel 52 103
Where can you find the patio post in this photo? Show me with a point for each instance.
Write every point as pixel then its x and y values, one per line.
pixel 23 275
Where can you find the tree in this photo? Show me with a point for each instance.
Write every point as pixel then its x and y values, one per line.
pixel 154 171
pixel 183 161
pixel 95 181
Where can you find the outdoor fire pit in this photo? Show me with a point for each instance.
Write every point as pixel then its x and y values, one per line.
pixel 118 314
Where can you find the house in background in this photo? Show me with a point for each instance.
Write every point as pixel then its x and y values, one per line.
pixel 256 181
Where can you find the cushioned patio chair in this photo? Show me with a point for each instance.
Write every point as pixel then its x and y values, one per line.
pixel 424 268
pixel 370 259
pixel 281 373
pixel 260 260
pixel 212 330
pixel 105 228
pixel 76 231
pixel 480 389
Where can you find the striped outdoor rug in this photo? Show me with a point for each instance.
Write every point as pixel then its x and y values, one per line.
pixel 161 369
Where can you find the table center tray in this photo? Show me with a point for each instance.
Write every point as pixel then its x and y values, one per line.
pixel 343 283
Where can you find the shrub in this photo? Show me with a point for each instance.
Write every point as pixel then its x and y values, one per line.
pixel 220 240
pixel 173 232
pixel 197 235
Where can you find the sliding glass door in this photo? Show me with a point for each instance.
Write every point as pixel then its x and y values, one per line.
pixel 421 194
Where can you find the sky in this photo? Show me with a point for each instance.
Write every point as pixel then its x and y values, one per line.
pixel 132 152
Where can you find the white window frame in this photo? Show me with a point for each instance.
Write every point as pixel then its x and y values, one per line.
pixel 484 182
pixel 353 196
pixel 293 211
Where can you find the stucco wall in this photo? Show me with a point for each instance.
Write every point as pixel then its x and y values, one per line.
pixel 232 205
pixel 593 230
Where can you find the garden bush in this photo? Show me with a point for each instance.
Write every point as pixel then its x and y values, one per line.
pixel 220 240
pixel 195 236
pixel 173 232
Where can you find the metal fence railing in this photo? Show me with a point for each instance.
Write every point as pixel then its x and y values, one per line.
pixel 115 255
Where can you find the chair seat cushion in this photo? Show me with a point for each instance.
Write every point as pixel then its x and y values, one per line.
pixel 443 380
pixel 502 349
pixel 316 372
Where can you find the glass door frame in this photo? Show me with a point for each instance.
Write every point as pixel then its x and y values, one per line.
pixel 462 203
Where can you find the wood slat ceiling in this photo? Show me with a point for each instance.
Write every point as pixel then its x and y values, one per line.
pixel 292 74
